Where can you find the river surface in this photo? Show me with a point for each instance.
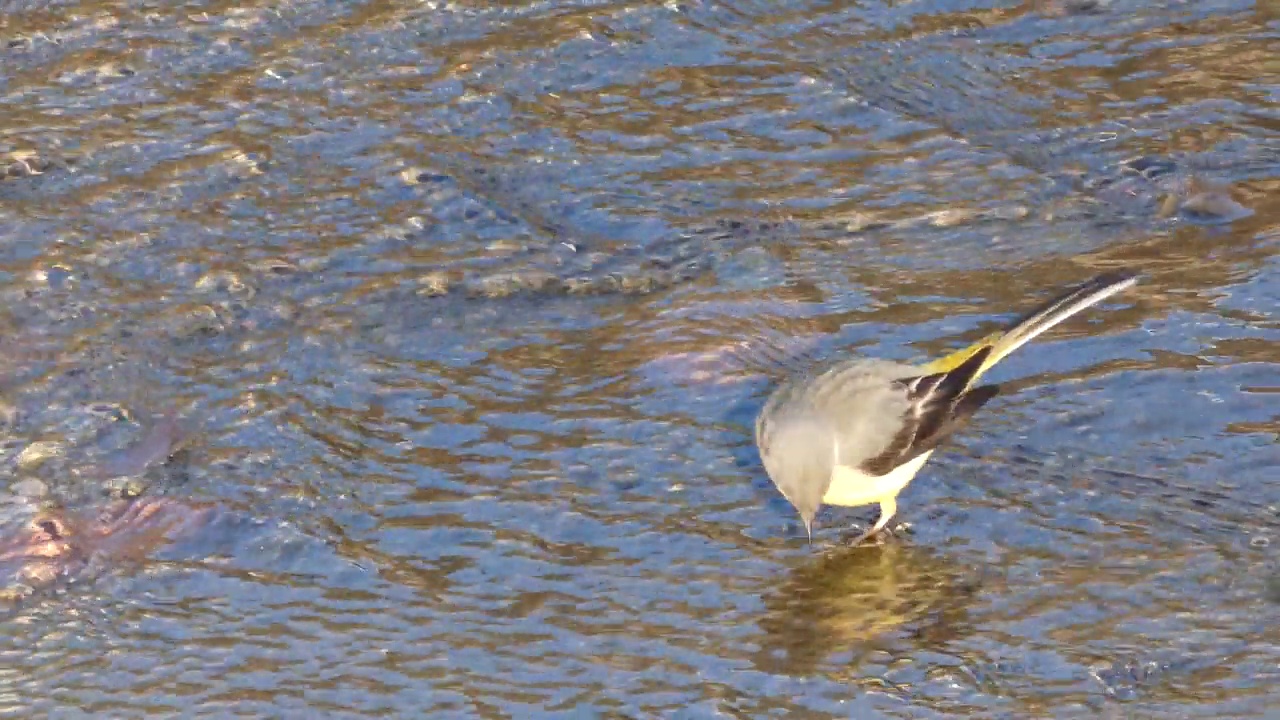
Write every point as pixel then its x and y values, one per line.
pixel 468 307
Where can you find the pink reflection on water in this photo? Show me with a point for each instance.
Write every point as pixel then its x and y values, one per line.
pixel 59 545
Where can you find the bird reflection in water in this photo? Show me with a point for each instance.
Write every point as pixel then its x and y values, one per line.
pixel 857 600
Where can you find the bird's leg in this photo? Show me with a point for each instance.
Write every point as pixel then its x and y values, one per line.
pixel 887 509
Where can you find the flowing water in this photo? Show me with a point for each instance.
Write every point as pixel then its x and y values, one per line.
pixel 461 313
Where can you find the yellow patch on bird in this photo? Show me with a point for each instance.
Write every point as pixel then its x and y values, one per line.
pixel 851 487
pixel 958 358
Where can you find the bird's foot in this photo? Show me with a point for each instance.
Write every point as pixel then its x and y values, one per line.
pixel 868 535
pixel 879 535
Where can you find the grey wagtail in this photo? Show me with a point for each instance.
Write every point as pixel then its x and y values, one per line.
pixel 856 431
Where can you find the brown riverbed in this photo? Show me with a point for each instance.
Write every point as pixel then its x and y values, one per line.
pixel 448 297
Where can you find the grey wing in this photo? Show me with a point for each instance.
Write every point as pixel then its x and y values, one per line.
pixel 911 416
pixel 864 404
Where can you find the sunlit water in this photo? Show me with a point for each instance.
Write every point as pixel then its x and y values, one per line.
pixel 446 292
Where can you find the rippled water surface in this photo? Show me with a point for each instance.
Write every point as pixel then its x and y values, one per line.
pixel 459 315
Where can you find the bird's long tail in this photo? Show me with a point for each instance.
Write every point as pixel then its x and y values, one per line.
pixel 1028 327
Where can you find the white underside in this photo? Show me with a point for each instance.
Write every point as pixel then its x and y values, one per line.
pixel 852 488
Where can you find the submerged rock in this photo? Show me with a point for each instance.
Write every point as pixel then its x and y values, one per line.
pixel 42 548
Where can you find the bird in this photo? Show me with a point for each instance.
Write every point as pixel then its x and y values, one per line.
pixel 856 431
